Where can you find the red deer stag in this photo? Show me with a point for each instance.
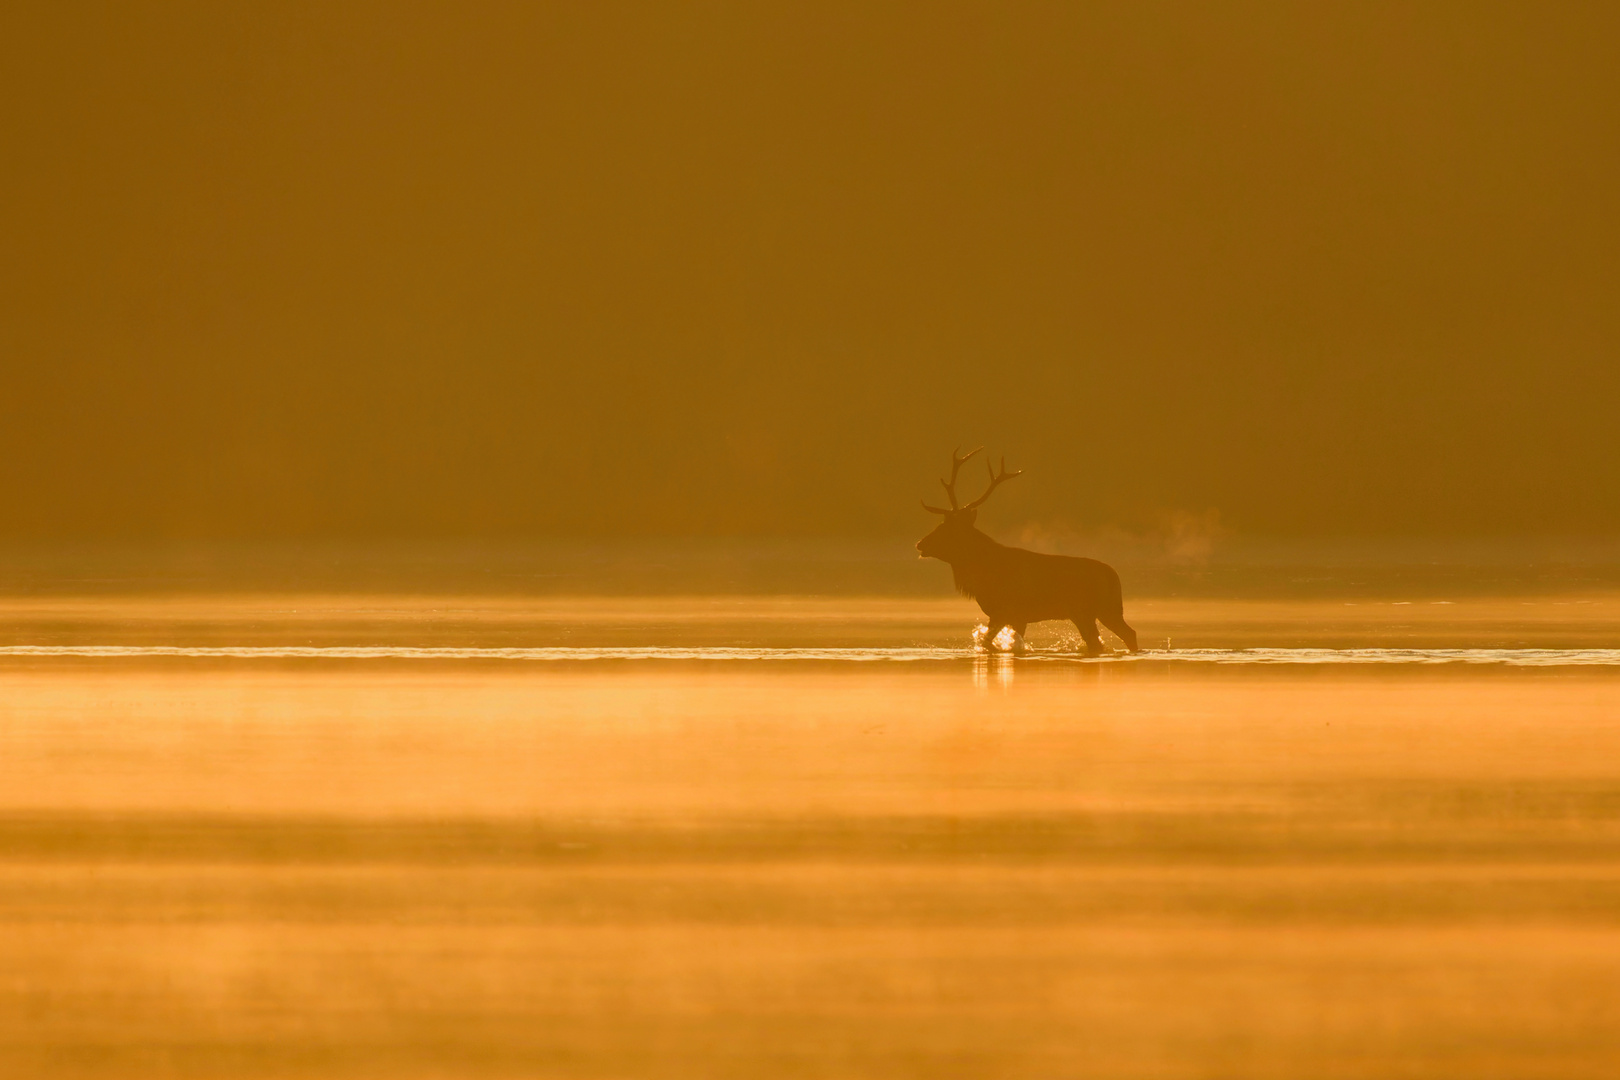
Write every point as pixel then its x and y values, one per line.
pixel 1015 587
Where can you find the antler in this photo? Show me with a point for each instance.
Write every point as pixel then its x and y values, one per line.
pixel 950 485
pixel 995 482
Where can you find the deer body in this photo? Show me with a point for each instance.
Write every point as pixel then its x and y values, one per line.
pixel 1015 587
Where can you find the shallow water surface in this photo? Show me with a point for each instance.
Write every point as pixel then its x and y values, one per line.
pixel 227 854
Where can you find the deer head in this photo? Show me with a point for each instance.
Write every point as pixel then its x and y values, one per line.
pixel 956 532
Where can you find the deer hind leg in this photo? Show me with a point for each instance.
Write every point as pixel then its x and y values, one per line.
pixel 1119 626
pixel 1087 625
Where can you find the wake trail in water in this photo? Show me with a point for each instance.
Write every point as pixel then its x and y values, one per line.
pixel 1500 657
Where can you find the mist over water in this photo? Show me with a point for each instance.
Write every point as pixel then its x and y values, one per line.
pixel 1151 565
pixel 1380 601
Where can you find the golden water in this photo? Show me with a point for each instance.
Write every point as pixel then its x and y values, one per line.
pixel 284 867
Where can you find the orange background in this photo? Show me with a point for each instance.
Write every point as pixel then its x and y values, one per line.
pixel 405 269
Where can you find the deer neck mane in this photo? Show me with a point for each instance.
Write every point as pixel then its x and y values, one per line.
pixel 968 571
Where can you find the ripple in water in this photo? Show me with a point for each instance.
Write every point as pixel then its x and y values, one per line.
pixel 1015 646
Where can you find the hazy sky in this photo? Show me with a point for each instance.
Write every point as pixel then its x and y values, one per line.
pixel 401 269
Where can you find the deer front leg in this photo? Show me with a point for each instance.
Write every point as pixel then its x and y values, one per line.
pixel 995 627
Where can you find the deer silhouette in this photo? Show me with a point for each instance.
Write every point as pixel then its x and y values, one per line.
pixel 1015 587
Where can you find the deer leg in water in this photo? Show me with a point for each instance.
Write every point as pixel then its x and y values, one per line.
pixel 1087 626
pixel 996 626
pixel 1118 625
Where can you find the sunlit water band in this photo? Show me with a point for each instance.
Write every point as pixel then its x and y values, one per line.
pixel 1507 657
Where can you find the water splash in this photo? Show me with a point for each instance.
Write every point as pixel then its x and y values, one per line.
pixel 1007 640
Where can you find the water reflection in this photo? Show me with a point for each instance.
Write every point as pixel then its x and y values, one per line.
pixel 992 670
pixel 245 867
